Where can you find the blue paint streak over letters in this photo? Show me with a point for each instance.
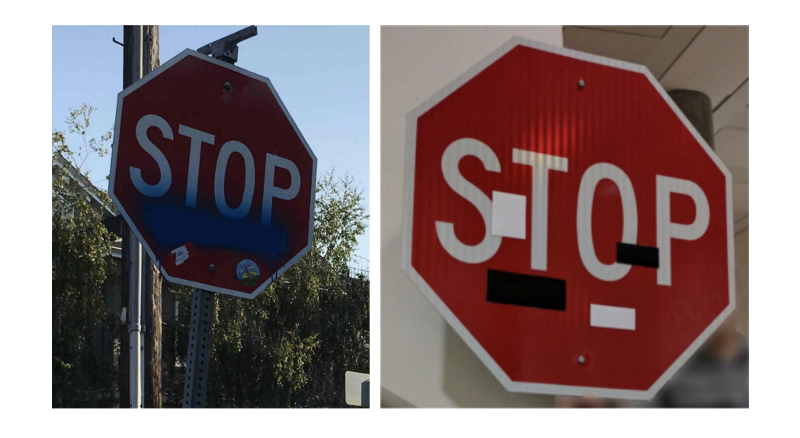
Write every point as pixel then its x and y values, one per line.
pixel 175 225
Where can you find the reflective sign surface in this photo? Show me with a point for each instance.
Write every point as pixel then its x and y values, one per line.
pixel 568 222
pixel 210 170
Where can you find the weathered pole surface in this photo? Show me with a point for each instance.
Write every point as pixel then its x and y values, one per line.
pixel 151 282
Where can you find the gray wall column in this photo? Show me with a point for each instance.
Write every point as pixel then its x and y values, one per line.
pixel 696 106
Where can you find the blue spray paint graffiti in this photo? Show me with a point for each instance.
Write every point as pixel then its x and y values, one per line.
pixel 175 225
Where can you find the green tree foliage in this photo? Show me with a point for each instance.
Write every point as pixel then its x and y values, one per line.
pixel 291 346
pixel 81 373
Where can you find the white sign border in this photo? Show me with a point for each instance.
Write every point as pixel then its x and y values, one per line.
pixel 447 314
pixel 141 82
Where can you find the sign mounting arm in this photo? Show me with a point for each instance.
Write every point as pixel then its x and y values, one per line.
pixel 226 49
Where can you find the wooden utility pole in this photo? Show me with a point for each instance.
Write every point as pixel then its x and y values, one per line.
pixel 151 286
pixel 141 288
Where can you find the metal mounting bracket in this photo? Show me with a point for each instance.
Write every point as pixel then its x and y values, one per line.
pixel 225 49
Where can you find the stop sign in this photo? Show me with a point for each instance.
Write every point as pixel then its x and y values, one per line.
pixel 213 175
pixel 568 222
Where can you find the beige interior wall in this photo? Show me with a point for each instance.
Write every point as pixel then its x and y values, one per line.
pixel 423 361
pixel 741 245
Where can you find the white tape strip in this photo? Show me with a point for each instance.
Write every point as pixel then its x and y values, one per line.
pixel 508 215
pixel 613 317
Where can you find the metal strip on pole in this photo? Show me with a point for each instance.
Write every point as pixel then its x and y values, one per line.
pixel 134 258
pixel 197 359
pixel 135 335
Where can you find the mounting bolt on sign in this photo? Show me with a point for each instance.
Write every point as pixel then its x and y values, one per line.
pixel 547 222
pixel 217 182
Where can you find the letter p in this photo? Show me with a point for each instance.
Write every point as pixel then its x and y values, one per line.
pixel 271 192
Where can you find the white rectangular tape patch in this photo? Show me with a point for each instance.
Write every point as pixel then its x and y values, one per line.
pixel 613 317
pixel 508 215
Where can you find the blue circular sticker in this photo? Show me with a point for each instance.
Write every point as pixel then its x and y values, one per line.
pixel 247 272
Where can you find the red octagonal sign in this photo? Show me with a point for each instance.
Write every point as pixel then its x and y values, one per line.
pixel 568 222
pixel 212 174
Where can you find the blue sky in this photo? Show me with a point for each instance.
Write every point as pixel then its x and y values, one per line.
pixel 320 72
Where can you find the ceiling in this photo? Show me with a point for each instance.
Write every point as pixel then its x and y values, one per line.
pixel 711 59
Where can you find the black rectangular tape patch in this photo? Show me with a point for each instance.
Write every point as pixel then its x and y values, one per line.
pixel 637 255
pixel 526 290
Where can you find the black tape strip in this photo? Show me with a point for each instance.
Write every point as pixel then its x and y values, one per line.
pixel 526 290
pixel 637 255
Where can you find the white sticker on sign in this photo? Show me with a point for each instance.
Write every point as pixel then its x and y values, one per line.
pixel 181 254
pixel 508 215
pixel 613 317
